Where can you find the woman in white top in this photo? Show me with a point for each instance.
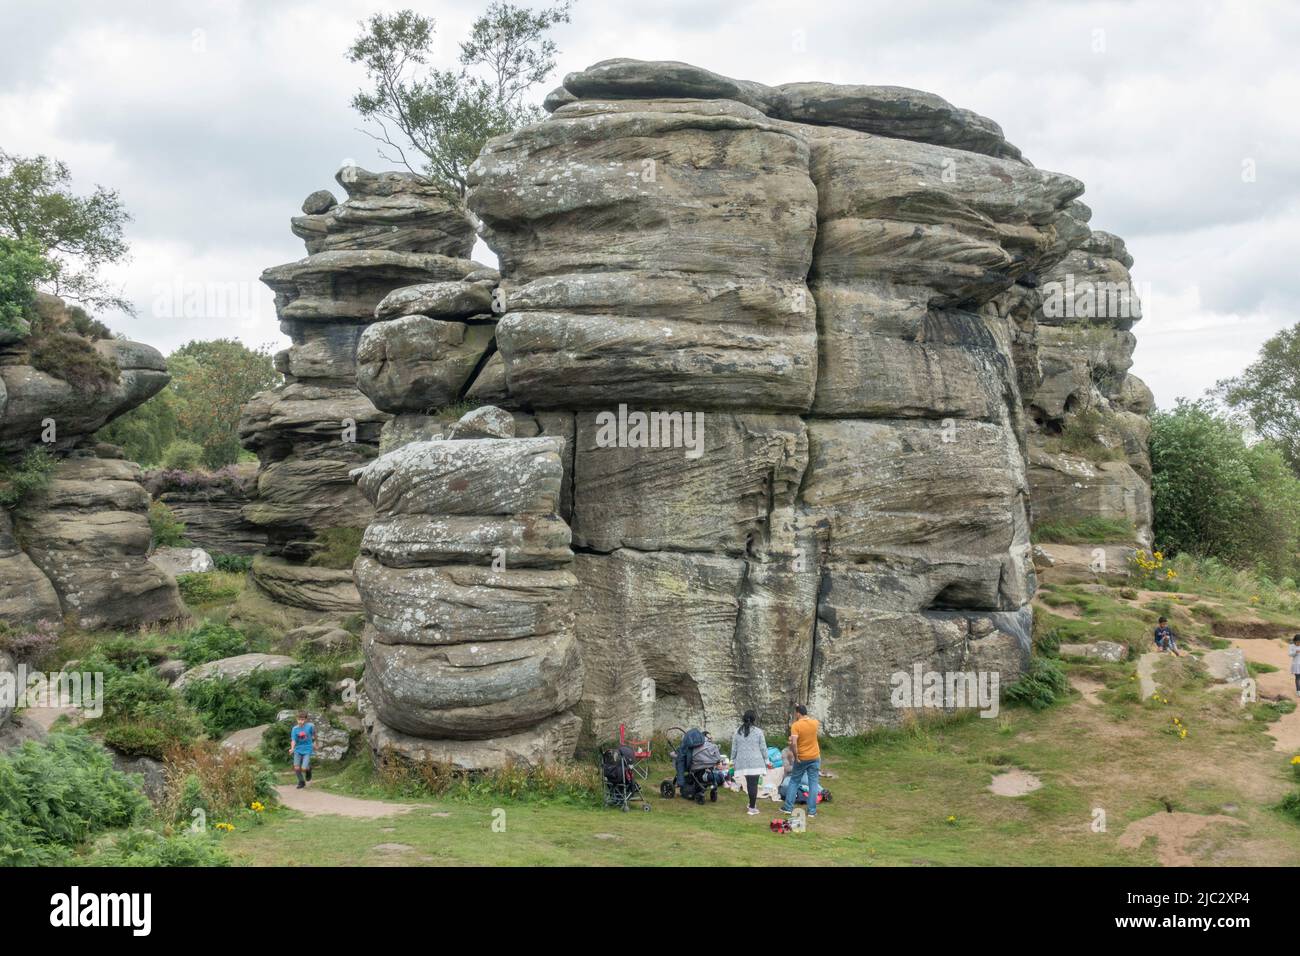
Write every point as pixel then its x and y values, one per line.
pixel 749 755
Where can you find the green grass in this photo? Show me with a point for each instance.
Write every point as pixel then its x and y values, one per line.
pixel 894 789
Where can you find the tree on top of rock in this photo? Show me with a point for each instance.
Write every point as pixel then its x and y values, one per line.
pixel 435 121
pixel 77 234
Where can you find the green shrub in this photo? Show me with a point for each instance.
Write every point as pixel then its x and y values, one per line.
pixel 211 641
pixel 199 589
pixel 72 358
pixel 336 548
pixel 143 716
pixel 128 654
pixel 139 739
pixel 182 455
pixel 233 563
pixel 29 475
pixel 1087 434
pixel 166 529
pixel 56 794
pixel 143 847
pixel 1290 805
pixel 225 705
pixel 1042 685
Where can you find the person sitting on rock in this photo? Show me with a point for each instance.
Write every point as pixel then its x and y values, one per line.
pixel 1165 638
pixel 303 740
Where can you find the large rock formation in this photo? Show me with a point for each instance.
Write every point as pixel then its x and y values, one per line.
pixel 392 231
pixel 75 549
pixel 766 354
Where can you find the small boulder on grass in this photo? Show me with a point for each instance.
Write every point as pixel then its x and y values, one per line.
pixel 1098 650
pixel 232 668
pixel 182 560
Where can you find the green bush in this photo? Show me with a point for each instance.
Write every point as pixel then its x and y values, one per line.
pixel 1216 496
pixel 182 455
pixel 139 739
pixel 211 641
pixel 1290 805
pixel 233 563
pixel 225 705
pixel 143 847
pixel 167 531
pixel 1087 434
pixel 69 356
pixel 29 475
pixel 143 716
pixel 1042 685
pixel 199 589
pixel 336 548
pixel 56 794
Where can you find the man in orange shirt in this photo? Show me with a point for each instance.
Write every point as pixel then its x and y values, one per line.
pixel 807 762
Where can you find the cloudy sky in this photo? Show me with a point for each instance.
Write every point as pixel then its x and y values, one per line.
pixel 214 119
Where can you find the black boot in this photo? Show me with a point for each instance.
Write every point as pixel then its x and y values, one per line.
pixel 309 774
pixel 298 774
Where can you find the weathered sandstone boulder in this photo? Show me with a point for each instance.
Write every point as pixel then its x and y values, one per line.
pixel 467 590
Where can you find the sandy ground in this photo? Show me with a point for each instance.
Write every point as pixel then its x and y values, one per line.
pixel 315 803
pixel 1174 833
pixel 1015 783
pixel 1285 731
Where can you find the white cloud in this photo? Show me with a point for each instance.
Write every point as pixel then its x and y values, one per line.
pixel 214 137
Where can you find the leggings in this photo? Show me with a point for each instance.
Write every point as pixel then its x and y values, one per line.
pixel 751 783
pixel 1297 683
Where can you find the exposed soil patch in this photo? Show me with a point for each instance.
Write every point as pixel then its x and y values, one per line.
pixel 1175 835
pixel 315 803
pixel 1285 731
pixel 1088 687
pixel 1015 783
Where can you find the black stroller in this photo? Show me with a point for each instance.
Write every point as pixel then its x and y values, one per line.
pixel 694 760
pixel 619 776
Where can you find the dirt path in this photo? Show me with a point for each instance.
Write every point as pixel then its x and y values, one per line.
pixel 315 803
pixel 1285 731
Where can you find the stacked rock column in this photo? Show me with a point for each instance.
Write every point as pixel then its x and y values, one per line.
pixel 393 230
pixel 465 573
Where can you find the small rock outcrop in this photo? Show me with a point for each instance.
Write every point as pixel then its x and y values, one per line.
pixel 211 507
pixel 75 549
pixel 392 231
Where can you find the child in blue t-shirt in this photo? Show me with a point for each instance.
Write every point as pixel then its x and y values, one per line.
pixel 302 738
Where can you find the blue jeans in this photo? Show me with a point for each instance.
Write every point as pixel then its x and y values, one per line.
pixel 810 769
pixel 301 761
